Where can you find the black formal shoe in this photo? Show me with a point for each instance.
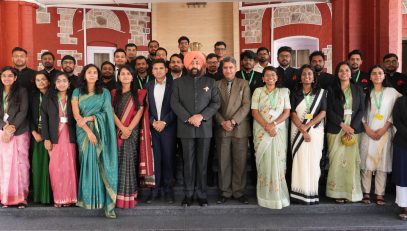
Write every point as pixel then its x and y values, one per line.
pixel 203 202
pixel 243 200
pixel 169 197
pixel 151 198
pixel 221 200
pixel 187 201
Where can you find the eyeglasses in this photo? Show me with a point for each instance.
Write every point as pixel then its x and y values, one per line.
pixel 391 62
pixel 213 63
pixel 220 49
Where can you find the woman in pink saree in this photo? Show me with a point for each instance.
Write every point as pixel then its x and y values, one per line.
pixel 14 141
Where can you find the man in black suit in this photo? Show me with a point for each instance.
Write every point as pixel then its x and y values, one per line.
pixel 176 67
pixel 68 64
pixel 355 60
pixel 289 76
pixel 48 61
pixel 25 76
pixel 195 100
pixel 248 60
pixel 163 131
pixel 317 61
pixel 396 79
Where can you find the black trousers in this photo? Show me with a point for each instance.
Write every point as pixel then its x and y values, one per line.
pixel 164 146
pixel 195 154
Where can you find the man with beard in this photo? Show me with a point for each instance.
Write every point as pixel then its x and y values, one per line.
pixel 323 79
pixel 68 66
pixel 119 60
pixel 25 76
pixel 143 77
pixel 396 79
pixel 107 69
pixel 355 60
pixel 176 67
pixel 131 53
pixel 183 45
pixel 195 100
pixel 287 74
pixel 48 60
pixel 263 56
pixel 247 59
pixel 212 68
pixel 161 53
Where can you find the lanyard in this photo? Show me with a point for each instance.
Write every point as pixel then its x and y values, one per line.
pixel 251 76
pixel 357 77
pixel 39 109
pixel 5 103
pixel 348 93
pixel 140 83
pixel 63 107
pixel 308 100
pixel 273 98
pixel 378 104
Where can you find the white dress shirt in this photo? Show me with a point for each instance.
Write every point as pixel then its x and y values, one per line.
pixel 159 90
pixel 259 68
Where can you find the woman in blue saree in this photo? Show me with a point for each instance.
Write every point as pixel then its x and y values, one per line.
pixel 96 139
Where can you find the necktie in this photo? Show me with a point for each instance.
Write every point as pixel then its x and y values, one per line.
pixel 229 87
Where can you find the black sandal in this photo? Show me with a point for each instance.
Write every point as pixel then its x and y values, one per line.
pixel 380 201
pixel 340 201
pixel 403 215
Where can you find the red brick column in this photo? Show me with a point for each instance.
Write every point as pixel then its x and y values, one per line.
pixel 375 27
pixel 17 21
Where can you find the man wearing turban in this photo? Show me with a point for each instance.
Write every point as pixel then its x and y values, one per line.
pixel 195 100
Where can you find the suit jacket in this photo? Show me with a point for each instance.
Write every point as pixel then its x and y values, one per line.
pixel 289 77
pixel 256 82
pixel 50 119
pixel 17 113
pixel 236 107
pixel 363 79
pixel 335 110
pixel 324 80
pixel 34 110
pixel 167 115
pixel 194 95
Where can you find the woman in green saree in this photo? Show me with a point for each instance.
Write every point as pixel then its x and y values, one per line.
pixel 96 139
pixel 270 109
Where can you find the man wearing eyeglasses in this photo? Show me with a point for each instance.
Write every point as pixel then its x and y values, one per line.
pixel 396 79
pixel 68 64
pixel 212 67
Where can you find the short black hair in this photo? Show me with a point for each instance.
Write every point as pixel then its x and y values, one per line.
pixel 279 82
pixel 284 48
pixel 159 61
pixel 119 50
pixel 48 53
pixel 18 49
pixel 107 63
pixel 139 58
pixel 183 38
pixel 153 41
pixel 212 55
pixel 130 45
pixel 356 52
pixel 178 56
pixel 316 53
pixel 162 49
pixel 220 43
pixel 248 54
pixel 262 49
pixel 68 57
pixel 390 55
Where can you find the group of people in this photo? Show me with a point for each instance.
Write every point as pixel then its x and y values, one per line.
pixel 93 140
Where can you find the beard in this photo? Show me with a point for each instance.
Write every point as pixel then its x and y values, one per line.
pixel 153 53
pixel 68 70
pixel 318 68
pixel 48 65
pixel 194 72
pixel 262 59
pixel 176 69
pixel 107 77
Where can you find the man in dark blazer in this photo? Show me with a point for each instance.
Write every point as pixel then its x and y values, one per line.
pixel 232 132
pixel 195 100
pixel 289 76
pixel 163 130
